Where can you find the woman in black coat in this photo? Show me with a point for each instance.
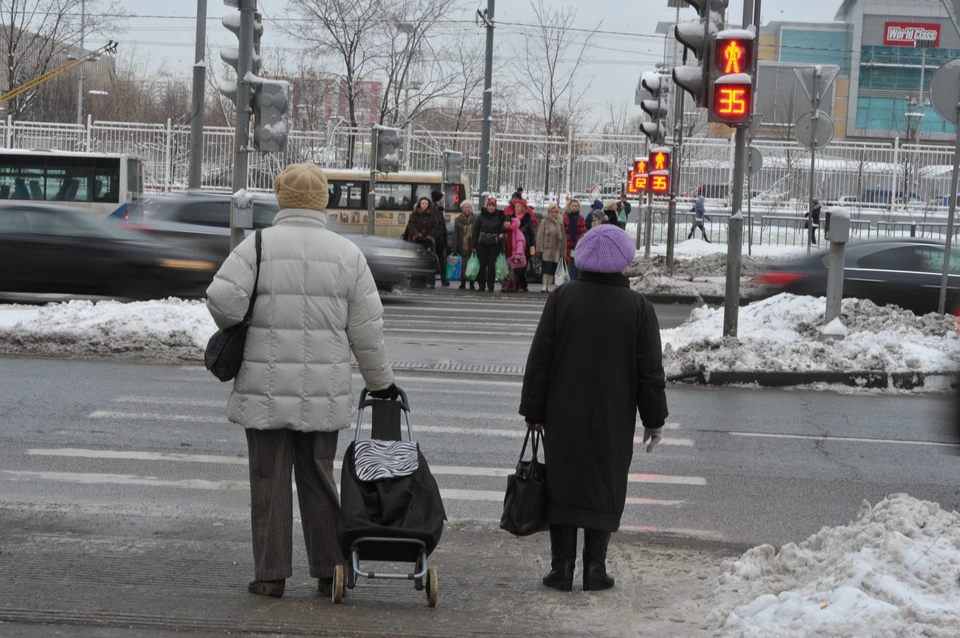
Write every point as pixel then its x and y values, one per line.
pixel 589 437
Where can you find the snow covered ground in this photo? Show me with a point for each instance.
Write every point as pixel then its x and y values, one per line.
pixel 782 334
pixel 893 572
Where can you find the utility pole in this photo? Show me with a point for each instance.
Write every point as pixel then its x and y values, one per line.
pixel 731 302
pixel 198 101
pixel 813 153
pixel 241 140
pixel 486 127
pixel 675 169
pixel 80 77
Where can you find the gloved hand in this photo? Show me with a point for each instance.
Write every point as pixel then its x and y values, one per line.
pixel 391 393
pixel 654 436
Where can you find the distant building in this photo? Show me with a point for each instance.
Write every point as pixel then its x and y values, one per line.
pixel 321 98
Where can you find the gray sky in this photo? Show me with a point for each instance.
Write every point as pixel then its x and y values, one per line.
pixel 629 47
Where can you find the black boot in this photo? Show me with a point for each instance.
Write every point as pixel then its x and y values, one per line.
pixel 563 556
pixel 463 285
pixel 595 560
pixel 272 588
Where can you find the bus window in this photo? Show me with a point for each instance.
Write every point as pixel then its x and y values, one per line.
pixel 134 179
pixel 106 184
pixel 345 194
pixel 424 190
pixel 392 196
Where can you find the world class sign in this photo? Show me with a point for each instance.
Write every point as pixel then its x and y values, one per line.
pixel 905 34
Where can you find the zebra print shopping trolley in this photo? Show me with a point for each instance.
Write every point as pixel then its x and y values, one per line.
pixel 390 503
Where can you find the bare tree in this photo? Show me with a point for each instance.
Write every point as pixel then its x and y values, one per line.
pixel 346 31
pixel 550 77
pixel 37 35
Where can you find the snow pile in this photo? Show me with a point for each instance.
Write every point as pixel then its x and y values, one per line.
pixel 895 571
pixel 168 330
pixel 782 334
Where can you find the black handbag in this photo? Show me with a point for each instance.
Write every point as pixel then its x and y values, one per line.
pixel 224 354
pixel 525 503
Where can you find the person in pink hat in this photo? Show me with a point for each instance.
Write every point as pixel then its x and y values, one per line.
pixel 589 442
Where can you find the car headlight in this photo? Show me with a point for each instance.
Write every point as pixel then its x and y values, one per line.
pixel 392 253
pixel 187 264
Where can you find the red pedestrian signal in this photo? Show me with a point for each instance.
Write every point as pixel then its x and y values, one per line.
pixel 659 159
pixel 640 165
pixel 660 182
pixel 732 99
pixel 641 183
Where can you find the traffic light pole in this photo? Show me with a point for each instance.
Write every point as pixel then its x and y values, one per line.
pixel 731 303
pixel 372 193
pixel 487 124
pixel 197 101
pixel 241 139
pixel 674 169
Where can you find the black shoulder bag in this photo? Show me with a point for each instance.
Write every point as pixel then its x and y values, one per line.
pixel 525 503
pixel 224 354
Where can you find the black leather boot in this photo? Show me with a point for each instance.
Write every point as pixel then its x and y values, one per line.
pixel 563 557
pixel 594 560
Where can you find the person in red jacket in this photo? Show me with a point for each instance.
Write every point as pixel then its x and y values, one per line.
pixel 576 227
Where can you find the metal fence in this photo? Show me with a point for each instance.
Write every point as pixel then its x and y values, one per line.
pixel 873 177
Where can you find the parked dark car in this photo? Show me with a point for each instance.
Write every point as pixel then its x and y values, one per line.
pixel 200 221
pixel 51 249
pixel 902 272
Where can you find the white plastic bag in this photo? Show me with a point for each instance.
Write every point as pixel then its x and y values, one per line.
pixel 563 275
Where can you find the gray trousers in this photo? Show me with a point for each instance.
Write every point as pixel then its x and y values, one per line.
pixel 273 453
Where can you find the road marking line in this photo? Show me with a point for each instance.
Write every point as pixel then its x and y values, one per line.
pixel 449 332
pixel 199 403
pixel 847 439
pixel 495 496
pixel 445 470
pixel 696 533
pixel 517 433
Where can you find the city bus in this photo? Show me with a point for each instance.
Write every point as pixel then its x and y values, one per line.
pixel 101 184
pixel 395 196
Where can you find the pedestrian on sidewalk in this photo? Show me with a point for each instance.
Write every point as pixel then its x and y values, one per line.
pixel 463 240
pixel 441 236
pixel 610 210
pixel 487 234
pixel 623 211
pixel 511 226
pixel 422 230
pixel 576 228
pixel 528 230
pixel 813 222
pixel 589 442
pixel 551 245
pixel 316 303
pixel 596 215
pixel 699 213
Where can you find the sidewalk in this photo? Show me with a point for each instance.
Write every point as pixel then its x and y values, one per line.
pixel 141 576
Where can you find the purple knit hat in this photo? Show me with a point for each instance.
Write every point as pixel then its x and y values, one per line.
pixel 605 248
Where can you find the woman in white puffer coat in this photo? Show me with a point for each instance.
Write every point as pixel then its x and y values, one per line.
pixel 316 303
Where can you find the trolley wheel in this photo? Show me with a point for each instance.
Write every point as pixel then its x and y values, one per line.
pixel 432 587
pixel 338 584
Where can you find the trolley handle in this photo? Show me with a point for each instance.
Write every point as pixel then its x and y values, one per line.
pixel 366 403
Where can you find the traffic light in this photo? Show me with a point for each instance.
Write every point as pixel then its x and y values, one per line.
pixel 659 159
pixel 271 111
pixel 659 171
pixel 452 167
pixel 731 77
pixel 660 182
pixel 652 83
pixel 696 35
pixel 631 185
pixel 231 55
pixel 388 150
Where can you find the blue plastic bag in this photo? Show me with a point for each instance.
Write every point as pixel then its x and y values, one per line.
pixel 454 264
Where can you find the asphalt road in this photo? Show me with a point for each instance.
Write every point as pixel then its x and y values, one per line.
pixel 737 465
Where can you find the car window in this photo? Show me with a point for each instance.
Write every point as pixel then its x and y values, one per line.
pixel 207 213
pixel 910 258
pixel 391 196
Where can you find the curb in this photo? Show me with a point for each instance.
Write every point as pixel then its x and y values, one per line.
pixel 871 380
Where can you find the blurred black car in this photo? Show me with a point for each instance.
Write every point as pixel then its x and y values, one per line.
pixel 902 272
pixel 200 221
pixel 51 249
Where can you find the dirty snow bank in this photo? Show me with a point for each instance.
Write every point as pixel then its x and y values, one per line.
pixel 892 572
pixel 782 334
pixel 168 330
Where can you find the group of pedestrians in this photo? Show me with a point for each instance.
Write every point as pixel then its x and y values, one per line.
pixel 516 233
pixel 311 306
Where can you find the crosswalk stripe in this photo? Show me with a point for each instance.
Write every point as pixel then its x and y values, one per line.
pixel 201 484
pixel 453 332
pixel 517 433
pixel 444 470
pixel 846 439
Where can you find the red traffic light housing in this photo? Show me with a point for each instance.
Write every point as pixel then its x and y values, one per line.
pixel 732 102
pixel 659 159
pixel 660 182
pixel 733 54
pixel 640 165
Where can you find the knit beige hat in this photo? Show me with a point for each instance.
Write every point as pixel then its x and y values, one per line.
pixel 302 186
pixel 610 204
